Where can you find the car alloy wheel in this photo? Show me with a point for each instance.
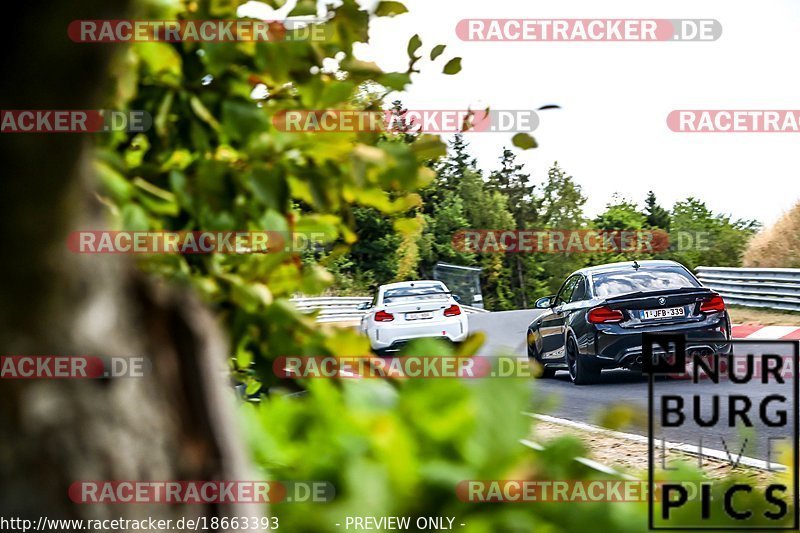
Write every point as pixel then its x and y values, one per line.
pixel 572 361
pixel 582 370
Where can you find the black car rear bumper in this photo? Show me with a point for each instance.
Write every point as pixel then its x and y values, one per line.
pixel 616 347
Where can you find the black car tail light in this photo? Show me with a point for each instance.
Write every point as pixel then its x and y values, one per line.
pixel 604 315
pixel 712 305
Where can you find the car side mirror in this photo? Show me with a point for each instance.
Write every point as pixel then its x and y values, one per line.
pixel 363 306
pixel 544 303
pixel 457 298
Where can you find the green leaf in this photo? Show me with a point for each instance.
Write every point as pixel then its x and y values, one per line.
pixel 243 356
pixel 336 93
pixel 429 147
pixel 179 185
pixel 453 66
pixel 270 187
pixel 218 57
pixel 156 200
pixel 407 225
pixel 524 141
pixel 251 297
pixel 394 80
pixel 138 148
pixel 322 227
pixel 304 8
pixel 163 114
pixel 134 218
pixel 413 45
pixel 241 119
pixel 179 159
pixel 253 387
pixel 390 9
pixel 437 51
pixel 153 189
pixel 356 66
pixel 114 182
pixel 220 8
pixel 203 113
pixel 159 57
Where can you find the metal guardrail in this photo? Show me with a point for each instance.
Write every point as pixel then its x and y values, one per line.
pixel 343 308
pixel 333 309
pixel 775 288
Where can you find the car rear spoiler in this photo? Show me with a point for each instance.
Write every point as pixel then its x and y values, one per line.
pixel 421 294
pixel 705 291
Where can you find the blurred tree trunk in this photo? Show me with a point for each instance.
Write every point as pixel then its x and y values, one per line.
pixel 176 422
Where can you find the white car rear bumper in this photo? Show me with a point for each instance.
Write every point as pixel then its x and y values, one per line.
pixel 385 336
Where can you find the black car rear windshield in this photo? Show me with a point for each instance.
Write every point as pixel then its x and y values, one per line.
pixel 608 284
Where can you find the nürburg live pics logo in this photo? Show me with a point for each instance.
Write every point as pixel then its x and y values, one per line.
pixel 729 406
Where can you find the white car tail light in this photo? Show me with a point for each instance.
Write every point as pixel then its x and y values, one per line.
pixel 453 310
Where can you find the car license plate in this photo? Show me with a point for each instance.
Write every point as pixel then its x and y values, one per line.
pixel 418 316
pixel 667 312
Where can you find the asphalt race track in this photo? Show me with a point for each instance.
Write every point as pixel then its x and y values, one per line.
pixel 505 335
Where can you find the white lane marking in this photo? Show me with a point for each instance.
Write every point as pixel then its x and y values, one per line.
pixel 534 445
pixel 771 332
pixel 686 448
pixel 583 460
pixel 601 467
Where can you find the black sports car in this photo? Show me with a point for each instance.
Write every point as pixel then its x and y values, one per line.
pixel 597 318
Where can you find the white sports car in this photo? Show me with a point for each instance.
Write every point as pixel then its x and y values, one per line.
pixel 410 310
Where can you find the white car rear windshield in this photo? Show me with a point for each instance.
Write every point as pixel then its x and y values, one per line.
pixel 407 294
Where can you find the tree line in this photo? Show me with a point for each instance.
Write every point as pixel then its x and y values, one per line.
pixel 461 196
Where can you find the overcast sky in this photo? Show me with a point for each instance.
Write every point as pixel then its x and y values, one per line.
pixel 611 133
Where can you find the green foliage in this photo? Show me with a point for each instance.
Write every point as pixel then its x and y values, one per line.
pixel 376 244
pixel 349 280
pixel 515 187
pixel 390 449
pixel 506 199
pixel 561 203
pixel 621 215
pixel 657 216
pixel 524 141
pixel 453 66
pixel 437 51
pixel 414 44
pixel 705 238
pixel 390 9
pixel 216 161
pixel 436 244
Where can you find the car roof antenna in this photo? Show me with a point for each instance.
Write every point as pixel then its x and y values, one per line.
pixel 636 265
